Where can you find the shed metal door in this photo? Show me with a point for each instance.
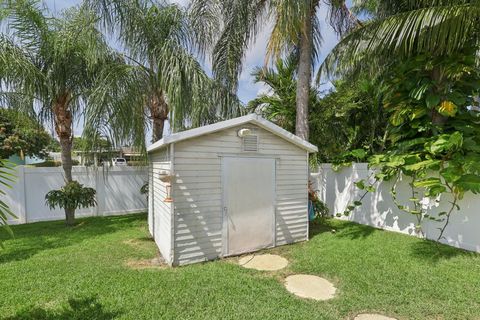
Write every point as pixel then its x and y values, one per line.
pixel 249 204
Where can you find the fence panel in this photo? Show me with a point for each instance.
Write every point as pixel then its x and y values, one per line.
pixel 118 191
pixel 337 190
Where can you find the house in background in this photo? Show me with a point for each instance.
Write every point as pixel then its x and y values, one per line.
pixel 25 160
pixel 88 158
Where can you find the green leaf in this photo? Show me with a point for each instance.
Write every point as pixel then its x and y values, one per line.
pixel 432 100
pixel 360 184
pixel 395 161
pixel 426 183
pixel 451 173
pixel 359 153
pixel 423 165
pixel 376 159
pixel 418 92
pixel 435 190
pixel 469 182
pixel 471 144
pixel 447 142
pixel 471 163
pixel 418 113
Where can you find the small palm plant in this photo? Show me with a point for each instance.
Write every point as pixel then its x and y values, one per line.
pixel 70 197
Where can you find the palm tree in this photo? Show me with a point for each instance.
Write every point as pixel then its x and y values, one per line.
pixel 48 67
pixel 398 29
pixel 278 105
pixel 349 116
pixel 163 80
pixel 296 25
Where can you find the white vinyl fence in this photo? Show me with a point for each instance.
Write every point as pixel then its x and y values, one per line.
pixel 337 190
pixel 118 191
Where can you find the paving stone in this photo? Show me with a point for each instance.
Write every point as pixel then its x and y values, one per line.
pixel 264 262
pixel 311 287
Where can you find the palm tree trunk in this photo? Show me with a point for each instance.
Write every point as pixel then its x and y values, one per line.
pixel 69 217
pixel 304 79
pixel 159 114
pixel 63 127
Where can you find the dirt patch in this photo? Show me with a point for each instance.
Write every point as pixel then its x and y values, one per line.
pixel 138 242
pixel 155 263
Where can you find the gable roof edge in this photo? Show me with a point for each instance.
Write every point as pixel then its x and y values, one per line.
pixel 250 118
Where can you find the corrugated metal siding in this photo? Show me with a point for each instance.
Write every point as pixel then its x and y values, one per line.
pixel 159 210
pixel 197 191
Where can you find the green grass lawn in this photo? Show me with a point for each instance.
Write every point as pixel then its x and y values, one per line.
pixel 93 271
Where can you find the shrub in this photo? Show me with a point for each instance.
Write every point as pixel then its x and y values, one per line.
pixel 136 163
pixel 48 163
pixel 320 209
pixel 70 197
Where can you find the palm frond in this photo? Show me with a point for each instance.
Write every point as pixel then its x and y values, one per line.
pixel 440 30
pixel 243 20
pixel 205 18
pixel 28 23
pixel 117 105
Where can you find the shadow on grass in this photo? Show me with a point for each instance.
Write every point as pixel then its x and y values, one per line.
pixel 78 309
pixel 435 252
pixel 30 239
pixel 342 229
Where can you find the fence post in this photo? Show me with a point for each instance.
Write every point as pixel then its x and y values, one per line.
pixel 21 192
pixel 100 188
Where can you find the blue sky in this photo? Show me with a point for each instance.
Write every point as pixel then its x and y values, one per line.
pixel 254 57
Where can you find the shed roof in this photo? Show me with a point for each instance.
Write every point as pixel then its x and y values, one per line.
pixel 251 118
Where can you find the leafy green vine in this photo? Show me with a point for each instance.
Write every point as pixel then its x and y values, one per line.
pixel 433 137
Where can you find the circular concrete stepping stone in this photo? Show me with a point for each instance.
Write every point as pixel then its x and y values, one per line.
pixel 372 316
pixel 311 287
pixel 264 262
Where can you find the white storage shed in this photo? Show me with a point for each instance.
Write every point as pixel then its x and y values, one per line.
pixel 228 188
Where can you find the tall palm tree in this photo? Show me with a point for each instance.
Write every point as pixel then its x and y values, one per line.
pixel 295 25
pixel 48 66
pixel 168 80
pixel 397 29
